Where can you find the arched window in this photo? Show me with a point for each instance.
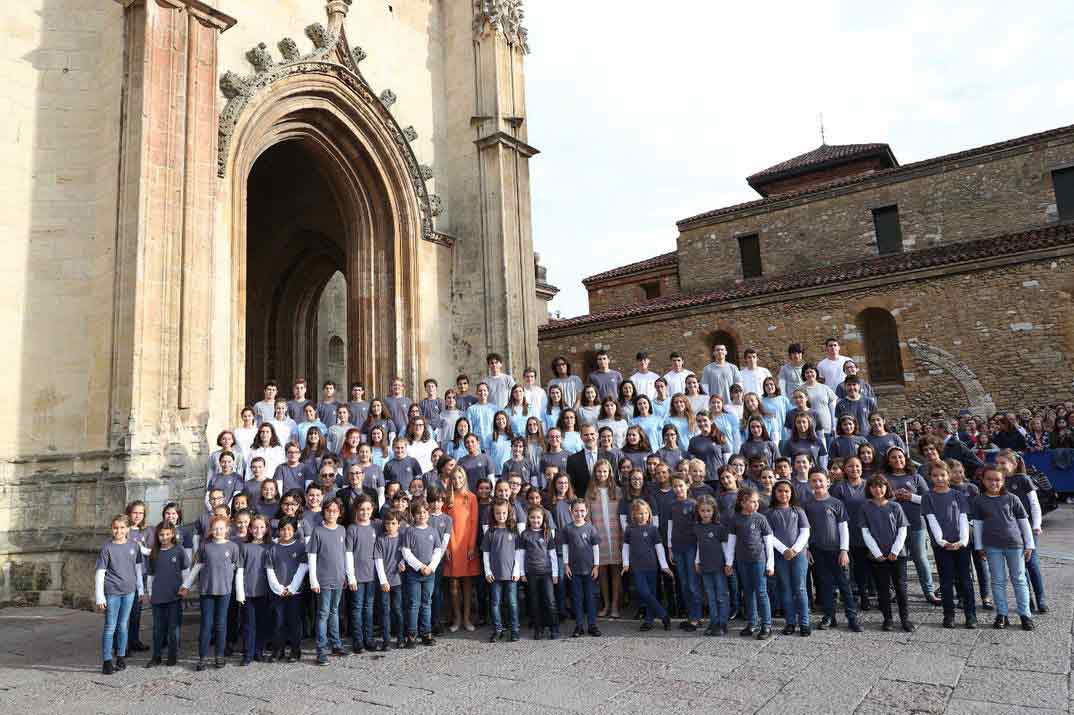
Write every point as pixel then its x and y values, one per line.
pixel 883 359
pixel 335 349
pixel 722 337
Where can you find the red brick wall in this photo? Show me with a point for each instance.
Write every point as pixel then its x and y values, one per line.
pixel 629 290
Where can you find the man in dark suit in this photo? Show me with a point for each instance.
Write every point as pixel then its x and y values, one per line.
pixel 580 464
pixel 954 449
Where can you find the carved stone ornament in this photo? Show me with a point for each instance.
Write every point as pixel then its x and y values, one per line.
pixel 980 401
pixel 260 58
pixel 504 17
pixel 239 90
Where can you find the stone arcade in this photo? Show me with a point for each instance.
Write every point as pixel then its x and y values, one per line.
pixel 185 179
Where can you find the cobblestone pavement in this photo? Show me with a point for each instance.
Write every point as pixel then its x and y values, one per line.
pixel 49 664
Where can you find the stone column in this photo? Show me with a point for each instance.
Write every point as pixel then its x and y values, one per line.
pixel 160 382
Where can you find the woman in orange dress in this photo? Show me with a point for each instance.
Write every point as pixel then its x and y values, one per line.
pixel 461 564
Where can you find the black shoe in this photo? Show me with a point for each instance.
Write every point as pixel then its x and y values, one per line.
pixel 949 621
pixel 887 625
pixel 908 626
pixel 172 660
pixel 578 631
pixel 595 632
pixel 666 620
pixel 496 635
pixel 971 623
pixel 804 631
pixel 121 664
pixel 438 630
pixel 536 634
pixel 863 603
pixel 765 633
pixel 229 651
pixel 383 647
pixel 202 665
pixel 1028 624
pixel 1042 608
pixel 854 626
pixel 683 625
pixel 689 627
pixel 137 647
pixel 410 643
pixel 1000 623
pixel 296 656
pixel 219 663
pixel 400 643
pixel 107 668
pixel 357 648
pixel 825 623
pixel 553 634
pixel 370 646
pixel 427 639
pixel 646 626
pixel 514 637
pixel 987 604
pixel 748 632
pixel 339 652
pixel 322 660
pixel 789 629
pixel 503 635
pixel 244 662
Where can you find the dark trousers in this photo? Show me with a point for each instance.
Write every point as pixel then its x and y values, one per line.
pixel 584 595
pixel 859 569
pixel 166 628
pixel 287 615
pixel 213 623
pixel 542 601
pixel 361 612
pixel 134 623
pixel 258 625
pixel 890 574
pixel 955 569
pixel 831 576
pixel 391 612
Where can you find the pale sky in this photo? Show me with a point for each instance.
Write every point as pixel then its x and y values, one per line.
pixel 647 113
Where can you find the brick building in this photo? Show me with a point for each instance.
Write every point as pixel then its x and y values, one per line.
pixel 949 280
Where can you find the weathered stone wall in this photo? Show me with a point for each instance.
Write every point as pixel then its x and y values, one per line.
pixel 1007 191
pixel 628 290
pixel 821 176
pixel 1011 327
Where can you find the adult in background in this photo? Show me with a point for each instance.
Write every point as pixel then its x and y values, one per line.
pixel 460 560
pixel 831 367
pixel 851 368
pixel 580 464
pixel 952 448
pixel 719 375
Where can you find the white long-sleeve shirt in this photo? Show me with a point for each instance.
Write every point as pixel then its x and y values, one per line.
pixel 799 544
pixel 98 584
pixel 769 551
pixel 661 557
pixel 874 548
pixel 937 530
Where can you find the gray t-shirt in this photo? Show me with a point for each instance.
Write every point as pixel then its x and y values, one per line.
pixel 229 484
pixel 443 523
pixel 917 485
pixel 254 580
pixel 422 542
pixel 284 560
pixel 607 383
pixel 710 540
pixel 118 562
pixel 387 549
pixel 398 407
pixel 329 545
pixel 579 541
pixel 292 478
pixel 853 498
pixel 476 467
pixel 642 541
pixel 681 514
pixel 717 379
pixel 947 508
pixel 218 563
pixel 750 531
pixel 361 541
pixel 167 572
pixel 499 388
pixel 787 524
pixel 537 548
pixel 500 543
pixel 999 517
pixel 883 523
pixel 824 519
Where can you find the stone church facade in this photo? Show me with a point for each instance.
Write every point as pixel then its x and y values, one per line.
pixel 948 280
pixel 185 180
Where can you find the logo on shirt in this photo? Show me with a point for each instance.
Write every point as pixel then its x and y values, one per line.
pixel 175 559
pixel 132 552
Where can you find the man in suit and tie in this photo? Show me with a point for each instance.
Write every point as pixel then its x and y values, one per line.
pixel 580 464
pixel 954 449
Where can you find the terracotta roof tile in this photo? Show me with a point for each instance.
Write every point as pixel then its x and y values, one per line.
pixel 664 259
pixel 908 168
pixel 947 254
pixel 824 155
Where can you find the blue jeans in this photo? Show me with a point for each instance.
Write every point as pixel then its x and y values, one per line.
pixel 584 596
pixel 438 594
pixel 256 616
pixel 955 568
pixel 328 620
pixel 213 623
pixel 831 576
pixel 500 589
pixel 755 588
pixel 287 616
pixel 362 613
pixel 684 571
pixel 1000 561
pixel 984 578
pixel 715 585
pixel 391 612
pixel 791 585
pixel 166 628
pixel 542 602
pixel 134 623
pixel 645 584
pixel 117 613
pixel 917 544
pixel 1036 578
pixel 419 616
